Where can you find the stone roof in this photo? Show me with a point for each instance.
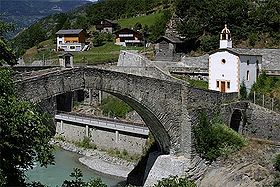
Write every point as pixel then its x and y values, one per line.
pixel 270 57
pixel 171 39
pixel 196 62
pixel 69 31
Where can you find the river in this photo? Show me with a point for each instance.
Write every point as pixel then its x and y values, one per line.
pixel 65 161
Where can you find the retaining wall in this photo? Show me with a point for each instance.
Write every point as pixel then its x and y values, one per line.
pixel 102 138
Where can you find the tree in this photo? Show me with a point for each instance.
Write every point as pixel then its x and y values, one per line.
pixel 243 91
pixel 6 53
pixel 78 181
pixel 24 134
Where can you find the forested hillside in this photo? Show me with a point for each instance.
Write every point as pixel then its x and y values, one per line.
pixel 252 23
pixel 88 15
pixel 23 13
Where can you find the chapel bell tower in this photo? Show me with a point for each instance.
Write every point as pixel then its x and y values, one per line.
pixel 225 38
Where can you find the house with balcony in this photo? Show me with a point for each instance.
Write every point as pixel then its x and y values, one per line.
pixel 71 40
pixel 128 37
pixel 106 25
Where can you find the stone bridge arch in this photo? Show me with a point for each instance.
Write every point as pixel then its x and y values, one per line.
pixel 235 115
pixel 158 102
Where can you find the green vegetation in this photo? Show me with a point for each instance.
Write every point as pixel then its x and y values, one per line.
pixel 193 82
pixel 213 139
pixel 243 91
pixel 78 180
pixel 114 107
pixel 123 155
pixel 277 168
pixel 267 85
pixel 86 143
pixel 25 134
pixel 87 16
pixel 198 83
pixel 43 51
pixel 148 20
pixel 277 162
pixel 252 23
pixel 6 53
pixel 175 181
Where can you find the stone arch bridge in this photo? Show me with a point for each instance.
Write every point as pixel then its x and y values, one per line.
pixel 168 107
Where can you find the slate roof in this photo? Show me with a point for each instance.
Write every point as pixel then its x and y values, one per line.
pixel 172 39
pixel 270 57
pixel 69 31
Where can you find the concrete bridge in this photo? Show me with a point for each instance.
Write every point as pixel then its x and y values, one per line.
pixel 169 108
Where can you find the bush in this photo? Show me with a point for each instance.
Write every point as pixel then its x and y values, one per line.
pixel 86 143
pixel 175 181
pixel 213 139
pixel 78 180
pixel 277 162
pixel 113 106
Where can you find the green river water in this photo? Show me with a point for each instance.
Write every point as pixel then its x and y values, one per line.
pixel 65 161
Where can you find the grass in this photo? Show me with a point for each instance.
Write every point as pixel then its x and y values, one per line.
pixel 213 139
pixel 193 82
pixel 107 53
pixel 86 143
pixel 123 155
pixel 144 20
pixel 44 50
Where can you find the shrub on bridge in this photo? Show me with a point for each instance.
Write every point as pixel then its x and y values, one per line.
pixel 213 139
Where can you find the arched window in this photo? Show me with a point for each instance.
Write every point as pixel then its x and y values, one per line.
pixel 248 76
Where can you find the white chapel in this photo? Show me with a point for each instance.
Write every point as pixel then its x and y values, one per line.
pixel 229 67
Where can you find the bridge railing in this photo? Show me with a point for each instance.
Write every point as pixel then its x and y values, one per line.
pixel 265 101
pixel 114 120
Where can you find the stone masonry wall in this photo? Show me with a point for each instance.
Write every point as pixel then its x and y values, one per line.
pixel 262 123
pixel 102 138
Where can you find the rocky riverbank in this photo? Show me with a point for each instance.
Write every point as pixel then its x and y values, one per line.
pixel 99 160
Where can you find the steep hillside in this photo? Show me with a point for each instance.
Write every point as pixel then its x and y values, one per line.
pixel 88 15
pixel 26 12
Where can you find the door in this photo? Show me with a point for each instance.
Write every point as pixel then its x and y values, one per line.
pixel 223 86
pixel 67 61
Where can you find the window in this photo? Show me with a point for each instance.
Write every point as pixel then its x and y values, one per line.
pixel 248 62
pixel 218 84
pixel 72 47
pixel 257 62
pixel 223 61
pixel 60 42
pixel 228 85
pixel 247 76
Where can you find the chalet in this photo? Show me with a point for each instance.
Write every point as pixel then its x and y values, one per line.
pixel 71 40
pixel 128 37
pixel 169 48
pixel 107 26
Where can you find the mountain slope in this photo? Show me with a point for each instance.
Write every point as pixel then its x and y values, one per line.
pixel 25 13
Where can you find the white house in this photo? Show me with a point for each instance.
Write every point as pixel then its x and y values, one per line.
pixel 71 40
pixel 229 67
